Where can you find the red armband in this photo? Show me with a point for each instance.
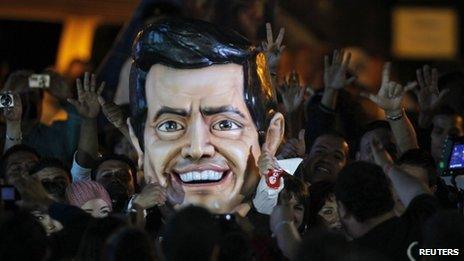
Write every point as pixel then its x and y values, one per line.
pixel 273 178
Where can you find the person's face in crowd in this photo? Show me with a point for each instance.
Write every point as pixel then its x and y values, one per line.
pixel 198 144
pixel 443 126
pixel 383 135
pixel 124 147
pixel 328 156
pixel 298 211
pixel 50 225
pixel 55 180
pixel 329 214
pixel 98 208
pixel 116 177
pixel 19 163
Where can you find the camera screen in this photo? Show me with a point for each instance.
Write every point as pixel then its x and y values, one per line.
pixel 8 193
pixel 457 157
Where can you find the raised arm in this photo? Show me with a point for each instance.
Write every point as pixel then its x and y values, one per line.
pixel 13 123
pixel 88 108
pixel 335 77
pixel 390 98
pixel 272 49
pixel 428 95
pixel 283 228
pixel 407 186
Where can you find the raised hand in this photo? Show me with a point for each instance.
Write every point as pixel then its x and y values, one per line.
pixel 266 162
pixel 33 194
pixel 390 95
pixel 428 96
pixel 59 88
pixel 18 81
pixel 272 49
pixel 13 114
pixel 113 113
pixel 152 195
pixel 87 102
pixel 293 147
pixel 335 73
pixel 292 93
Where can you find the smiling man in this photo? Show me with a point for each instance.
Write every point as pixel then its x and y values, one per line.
pixel 201 102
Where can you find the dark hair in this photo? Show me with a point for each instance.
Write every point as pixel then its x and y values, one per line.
pixel 22 237
pixel 297 187
pixel 322 244
pixel 117 157
pixel 423 159
pixel 191 234
pixel 331 133
pixel 193 44
pixel 374 125
pixel 319 192
pixel 48 163
pixel 129 244
pixel 364 190
pixel 13 150
pixel 95 235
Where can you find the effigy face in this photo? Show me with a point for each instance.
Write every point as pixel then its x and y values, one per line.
pixel 198 134
pixel 201 107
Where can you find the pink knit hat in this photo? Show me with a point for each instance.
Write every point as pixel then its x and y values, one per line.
pixel 79 193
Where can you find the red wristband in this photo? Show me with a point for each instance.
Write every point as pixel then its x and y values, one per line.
pixel 273 178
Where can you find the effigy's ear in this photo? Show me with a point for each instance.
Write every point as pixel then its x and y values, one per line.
pixel 135 143
pixel 274 134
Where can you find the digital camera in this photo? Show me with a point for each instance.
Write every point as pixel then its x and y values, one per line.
pixel 39 81
pixel 6 100
pixel 452 159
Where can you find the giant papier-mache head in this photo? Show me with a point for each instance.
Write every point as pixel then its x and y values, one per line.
pixel 181 70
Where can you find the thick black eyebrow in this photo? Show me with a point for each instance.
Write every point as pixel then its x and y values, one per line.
pixel 208 111
pixel 170 110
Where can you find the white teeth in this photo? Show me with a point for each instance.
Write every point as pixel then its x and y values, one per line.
pixel 201 176
pixel 204 175
pixel 196 175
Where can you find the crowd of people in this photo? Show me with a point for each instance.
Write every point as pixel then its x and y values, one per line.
pixel 87 187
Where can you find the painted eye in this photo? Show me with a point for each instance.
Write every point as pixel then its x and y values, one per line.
pixel 226 125
pixel 170 126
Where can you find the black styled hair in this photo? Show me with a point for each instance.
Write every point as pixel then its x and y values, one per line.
pixel 48 163
pixel 13 150
pixel 423 159
pixel 184 231
pixel 364 190
pixel 193 44
pixel 117 157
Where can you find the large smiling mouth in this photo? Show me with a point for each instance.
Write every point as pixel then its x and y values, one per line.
pixel 204 177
